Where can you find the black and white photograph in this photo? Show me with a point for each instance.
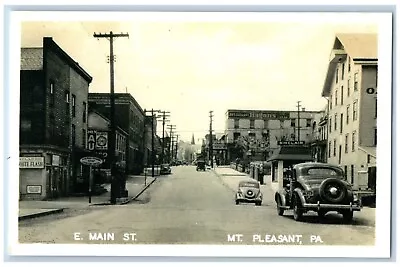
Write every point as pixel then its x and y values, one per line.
pixel 240 133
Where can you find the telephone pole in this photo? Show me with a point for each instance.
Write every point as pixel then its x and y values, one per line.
pixel 110 36
pixel 298 120
pixel 176 147
pixel 171 148
pixel 211 141
pixel 164 116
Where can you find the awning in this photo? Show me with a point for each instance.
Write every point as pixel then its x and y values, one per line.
pixel 369 150
pixel 295 153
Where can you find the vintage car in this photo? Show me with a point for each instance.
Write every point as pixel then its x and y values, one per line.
pixel 165 169
pixel 249 192
pixel 318 187
pixel 200 165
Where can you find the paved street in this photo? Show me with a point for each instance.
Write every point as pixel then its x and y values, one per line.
pixel 189 207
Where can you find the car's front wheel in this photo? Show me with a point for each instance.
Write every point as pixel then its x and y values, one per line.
pixel 278 207
pixel 258 203
pixel 297 209
pixel 348 216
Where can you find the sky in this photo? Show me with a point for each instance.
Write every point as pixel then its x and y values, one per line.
pixel 190 67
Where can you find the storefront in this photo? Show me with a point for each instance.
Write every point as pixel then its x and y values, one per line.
pixel 43 174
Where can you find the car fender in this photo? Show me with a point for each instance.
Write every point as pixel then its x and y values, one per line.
pixel 281 196
pixel 300 195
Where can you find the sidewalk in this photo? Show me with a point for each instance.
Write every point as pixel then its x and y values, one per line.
pixel 35 208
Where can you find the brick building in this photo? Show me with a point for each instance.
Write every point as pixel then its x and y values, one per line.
pixel 351 87
pixel 53 120
pixel 130 117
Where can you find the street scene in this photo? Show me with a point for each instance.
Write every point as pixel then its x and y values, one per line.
pixel 199 132
pixel 190 207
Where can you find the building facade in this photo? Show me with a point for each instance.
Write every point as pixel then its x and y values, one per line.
pixel 130 117
pixel 53 120
pixel 351 89
pixel 260 131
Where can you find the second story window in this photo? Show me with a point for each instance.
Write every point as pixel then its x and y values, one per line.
pixel 52 93
pixel 335 122
pixel 84 112
pixel 341 95
pixel 341 122
pixel 346 143
pixel 330 124
pixel 355 107
pixel 251 124
pixel 236 123
pixel 73 105
pixel 308 122
pixel 293 123
pixel 348 88
pixel 336 98
pixel 334 148
pixel 355 81
pixel 67 109
pixel 343 71
pixel 353 141
pixel 337 74
pixel 347 114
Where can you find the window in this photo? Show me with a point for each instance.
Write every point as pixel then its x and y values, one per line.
pixel 236 123
pixel 330 102
pixel 348 87
pixel 347 114
pixel 368 158
pixel 375 137
pixel 335 128
pixel 334 148
pixel 355 81
pixel 236 136
pixel 251 124
pixel 345 171
pixel 341 95
pixel 73 134
pixel 330 124
pixel 308 122
pixel 329 149
pixel 341 122
pixel 67 110
pixel 352 174
pixel 51 93
pixel 337 74
pixel 376 107
pixel 73 105
pixel 343 71
pixel 346 143
pixel 336 98
pixel 293 122
pixel 84 138
pixel 84 112
pixel 252 135
pixel 349 64
pixel 355 110
pixel 353 141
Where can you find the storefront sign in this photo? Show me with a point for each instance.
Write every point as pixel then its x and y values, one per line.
pixel 31 162
pixel 288 143
pixel 101 140
pixel 34 189
pixel 259 114
pixel 92 161
pixel 219 146
pixel 55 160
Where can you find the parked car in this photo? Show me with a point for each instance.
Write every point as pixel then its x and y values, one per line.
pixel 318 187
pixel 200 165
pixel 249 192
pixel 165 169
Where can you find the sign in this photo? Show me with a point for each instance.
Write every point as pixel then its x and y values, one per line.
pixel 219 146
pixel 31 162
pixel 91 139
pixel 34 189
pixel 92 161
pixel 288 143
pixel 259 114
pixel 101 140
pixel 55 160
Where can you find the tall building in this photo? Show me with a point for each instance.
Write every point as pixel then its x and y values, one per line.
pixel 53 121
pixel 130 117
pixel 351 89
pixel 262 130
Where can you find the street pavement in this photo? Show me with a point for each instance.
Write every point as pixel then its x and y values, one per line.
pixel 190 207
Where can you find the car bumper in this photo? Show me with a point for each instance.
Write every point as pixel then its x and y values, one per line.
pixel 319 206
pixel 249 200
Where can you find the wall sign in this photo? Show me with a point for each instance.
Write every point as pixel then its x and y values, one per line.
pixel 31 162
pixel 286 143
pixel 55 160
pixel 34 189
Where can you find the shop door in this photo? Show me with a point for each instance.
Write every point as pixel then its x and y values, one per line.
pixel 372 178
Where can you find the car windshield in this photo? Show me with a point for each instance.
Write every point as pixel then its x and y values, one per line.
pixel 249 184
pixel 322 172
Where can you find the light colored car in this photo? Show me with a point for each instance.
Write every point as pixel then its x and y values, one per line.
pixel 165 169
pixel 249 192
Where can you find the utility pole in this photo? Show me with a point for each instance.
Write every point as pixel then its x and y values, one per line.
pixel 176 147
pixel 164 119
pixel 211 141
pixel 298 120
pixel 171 148
pixel 110 36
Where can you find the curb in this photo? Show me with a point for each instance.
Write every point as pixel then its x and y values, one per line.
pixel 40 214
pixel 138 194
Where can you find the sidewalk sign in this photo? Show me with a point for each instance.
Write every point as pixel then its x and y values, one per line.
pixel 91 161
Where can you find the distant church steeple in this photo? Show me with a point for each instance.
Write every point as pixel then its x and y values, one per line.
pixel 193 143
